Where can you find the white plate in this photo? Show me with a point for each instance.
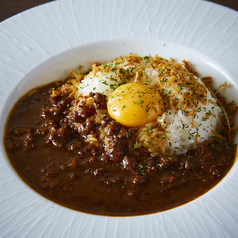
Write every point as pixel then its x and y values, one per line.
pixel 45 42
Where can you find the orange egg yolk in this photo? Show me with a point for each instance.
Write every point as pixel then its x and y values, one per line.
pixel 134 104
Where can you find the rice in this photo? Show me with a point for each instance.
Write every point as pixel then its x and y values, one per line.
pixel 187 129
pixel 106 78
pixel 191 116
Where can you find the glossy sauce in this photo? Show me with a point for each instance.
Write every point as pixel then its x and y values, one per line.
pixel 55 161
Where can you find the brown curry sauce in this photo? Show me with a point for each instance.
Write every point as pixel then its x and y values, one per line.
pixel 54 160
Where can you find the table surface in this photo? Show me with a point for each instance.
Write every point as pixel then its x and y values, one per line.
pixel 10 8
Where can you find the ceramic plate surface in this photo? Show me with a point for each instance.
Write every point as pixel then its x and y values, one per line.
pixel 44 43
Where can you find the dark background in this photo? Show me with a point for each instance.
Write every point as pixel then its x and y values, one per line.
pixel 9 8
